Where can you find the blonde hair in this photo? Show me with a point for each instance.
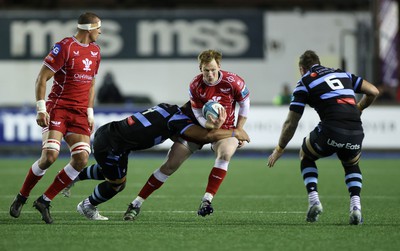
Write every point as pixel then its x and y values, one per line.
pixel 207 56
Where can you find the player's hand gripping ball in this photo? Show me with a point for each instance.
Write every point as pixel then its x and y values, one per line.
pixel 211 108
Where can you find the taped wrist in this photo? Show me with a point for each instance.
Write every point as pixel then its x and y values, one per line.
pixel 90 113
pixel 41 106
pixel 279 149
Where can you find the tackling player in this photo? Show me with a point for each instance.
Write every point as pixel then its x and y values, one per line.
pixel 73 64
pixel 332 94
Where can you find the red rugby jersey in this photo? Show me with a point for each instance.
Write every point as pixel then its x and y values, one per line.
pixel 75 65
pixel 229 89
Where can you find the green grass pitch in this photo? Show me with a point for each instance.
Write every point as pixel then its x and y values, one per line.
pixel 256 208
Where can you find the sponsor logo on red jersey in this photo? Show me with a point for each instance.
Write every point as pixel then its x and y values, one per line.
pixel 49 58
pixel 56 49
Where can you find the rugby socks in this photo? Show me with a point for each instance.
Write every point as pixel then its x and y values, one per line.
pixel 155 181
pixel 353 179
pixel 92 172
pixel 208 197
pixel 355 201
pixel 313 198
pixel 61 181
pixel 102 193
pixel 32 178
pixel 137 202
pixel 309 171
pixel 216 177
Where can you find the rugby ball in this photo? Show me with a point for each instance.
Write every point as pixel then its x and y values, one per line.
pixel 211 108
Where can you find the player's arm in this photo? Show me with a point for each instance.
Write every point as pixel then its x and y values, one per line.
pixel 210 123
pixel 239 125
pixel 244 107
pixel 370 94
pixel 288 130
pixel 42 117
pixel 241 121
pixel 90 111
pixel 204 136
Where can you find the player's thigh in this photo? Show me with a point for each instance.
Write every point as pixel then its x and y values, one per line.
pixel 315 145
pixel 79 145
pixel 114 166
pixel 225 148
pixel 351 152
pixel 78 122
pixel 52 135
pixel 73 138
pixel 177 154
pixel 50 148
pixel 58 120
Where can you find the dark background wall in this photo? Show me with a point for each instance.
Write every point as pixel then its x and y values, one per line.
pixel 123 4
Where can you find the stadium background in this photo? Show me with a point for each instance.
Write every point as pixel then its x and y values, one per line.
pixel 150 48
pixel 257 208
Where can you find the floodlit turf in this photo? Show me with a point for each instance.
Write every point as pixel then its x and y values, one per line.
pixel 256 208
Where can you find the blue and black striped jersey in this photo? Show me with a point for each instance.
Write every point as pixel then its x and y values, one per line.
pixel 147 128
pixel 332 94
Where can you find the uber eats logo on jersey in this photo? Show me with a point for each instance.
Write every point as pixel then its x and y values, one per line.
pixel 165 36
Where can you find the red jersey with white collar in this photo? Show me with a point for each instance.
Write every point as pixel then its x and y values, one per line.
pixel 229 89
pixel 75 65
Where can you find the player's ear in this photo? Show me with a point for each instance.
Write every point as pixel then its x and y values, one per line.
pixel 302 71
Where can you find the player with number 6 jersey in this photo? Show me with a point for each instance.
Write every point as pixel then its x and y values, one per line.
pixel 332 94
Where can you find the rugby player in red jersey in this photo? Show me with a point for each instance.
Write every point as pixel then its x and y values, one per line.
pixel 228 89
pixel 67 114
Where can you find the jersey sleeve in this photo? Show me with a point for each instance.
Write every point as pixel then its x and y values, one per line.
pixel 56 58
pixel 179 122
pixel 98 62
pixel 241 90
pixel 357 82
pixel 299 98
pixel 195 101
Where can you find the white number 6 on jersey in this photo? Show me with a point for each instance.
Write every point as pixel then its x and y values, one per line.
pixel 333 82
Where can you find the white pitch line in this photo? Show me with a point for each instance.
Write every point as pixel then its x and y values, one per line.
pixel 82 196
pixel 172 212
